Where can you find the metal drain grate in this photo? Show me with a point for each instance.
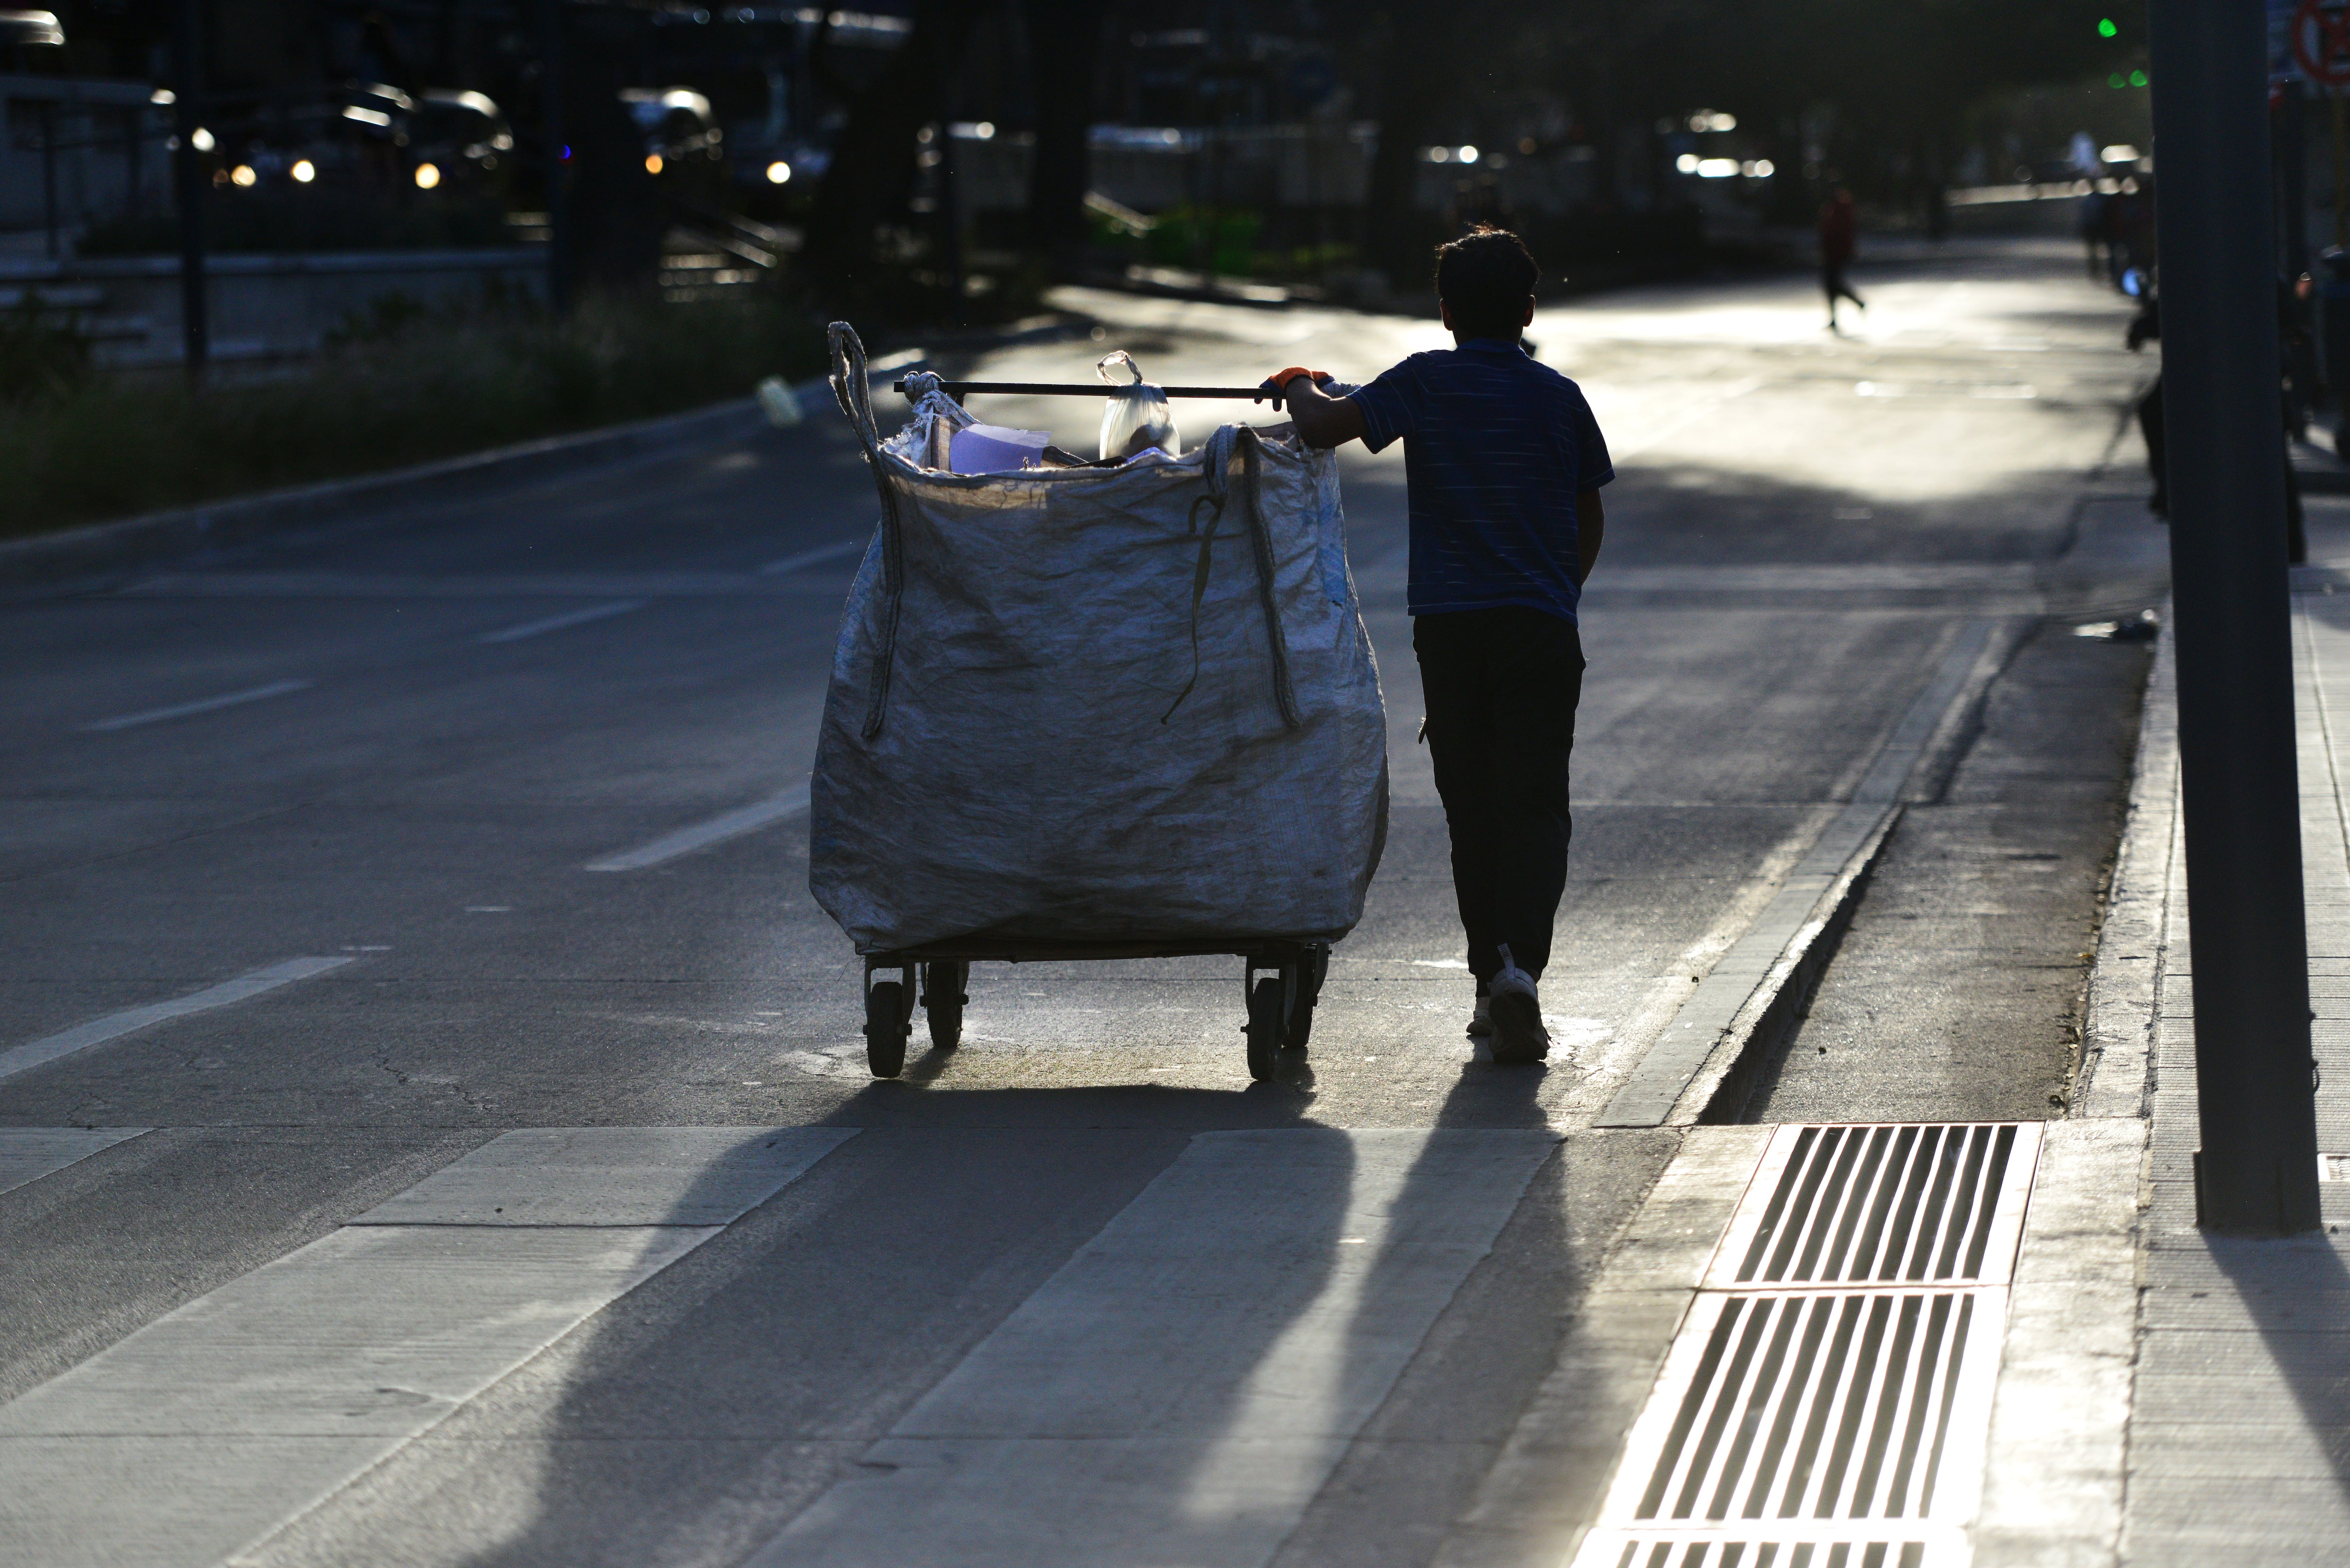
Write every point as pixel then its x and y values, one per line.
pixel 1815 1406
pixel 1858 1205
pixel 1642 1551
pixel 1826 1401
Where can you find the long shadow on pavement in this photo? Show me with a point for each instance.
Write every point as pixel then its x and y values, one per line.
pixel 695 1418
pixel 2297 1293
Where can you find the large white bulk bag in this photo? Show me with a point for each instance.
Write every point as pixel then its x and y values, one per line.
pixel 1129 706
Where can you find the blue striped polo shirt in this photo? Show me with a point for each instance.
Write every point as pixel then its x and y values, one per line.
pixel 1496 446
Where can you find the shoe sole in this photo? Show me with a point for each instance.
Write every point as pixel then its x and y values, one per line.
pixel 1518 1034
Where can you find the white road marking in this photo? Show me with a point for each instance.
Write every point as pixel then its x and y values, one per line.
pixel 562 622
pixel 114 1025
pixel 810 557
pixel 717 830
pixel 201 705
pixel 200 1436
pixel 28 1154
pixel 1184 1385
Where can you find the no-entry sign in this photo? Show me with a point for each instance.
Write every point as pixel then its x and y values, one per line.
pixel 2321 41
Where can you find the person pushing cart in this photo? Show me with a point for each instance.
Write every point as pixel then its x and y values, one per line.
pixel 1504 463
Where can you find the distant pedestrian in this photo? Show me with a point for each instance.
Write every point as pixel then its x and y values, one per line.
pixel 1839 236
pixel 1503 463
pixel 2096 218
pixel 2129 233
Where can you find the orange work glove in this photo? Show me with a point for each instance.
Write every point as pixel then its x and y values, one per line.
pixel 1277 383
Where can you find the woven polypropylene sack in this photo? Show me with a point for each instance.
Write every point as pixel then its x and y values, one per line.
pixel 1049 722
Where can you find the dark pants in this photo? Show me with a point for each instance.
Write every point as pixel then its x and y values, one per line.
pixel 1833 283
pixel 1501 686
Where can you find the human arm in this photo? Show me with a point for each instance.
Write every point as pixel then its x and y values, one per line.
pixel 1322 420
pixel 1590 531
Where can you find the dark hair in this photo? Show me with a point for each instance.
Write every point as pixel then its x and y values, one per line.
pixel 1486 278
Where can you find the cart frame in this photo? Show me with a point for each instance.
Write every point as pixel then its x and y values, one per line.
pixel 1281 981
pixel 1281 977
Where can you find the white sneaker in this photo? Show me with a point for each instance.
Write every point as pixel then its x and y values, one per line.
pixel 1516 1012
pixel 1481 1023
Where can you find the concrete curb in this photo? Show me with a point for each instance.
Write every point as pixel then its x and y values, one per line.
pixel 1801 939
pixel 2055 1473
pixel 1770 1016
pixel 2117 1035
pixel 102 549
pixel 2056 1462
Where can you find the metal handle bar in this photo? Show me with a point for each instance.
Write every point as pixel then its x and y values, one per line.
pixel 1067 390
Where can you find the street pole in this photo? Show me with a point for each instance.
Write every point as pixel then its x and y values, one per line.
pixel 2341 172
pixel 2293 177
pixel 2257 1172
pixel 559 200
pixel 188 183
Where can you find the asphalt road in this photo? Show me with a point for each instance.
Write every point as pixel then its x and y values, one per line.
pixel 1078 1292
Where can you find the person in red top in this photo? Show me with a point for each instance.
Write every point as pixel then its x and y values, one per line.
pixel 1837 230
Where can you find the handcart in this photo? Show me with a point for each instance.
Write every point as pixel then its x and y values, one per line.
pixel 1325 690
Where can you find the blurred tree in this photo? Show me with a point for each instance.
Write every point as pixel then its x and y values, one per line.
pixel 617 222
pixel 1063 50
pixel 1418 71
pixel 873 165
pixel 1887 88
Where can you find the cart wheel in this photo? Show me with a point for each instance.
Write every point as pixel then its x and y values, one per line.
pixel 1265 1025
pixel 888 1014
pixel 1310 974
pixel 942 999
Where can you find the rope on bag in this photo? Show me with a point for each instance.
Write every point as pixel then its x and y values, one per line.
pixel 852 387
pixel 1217 451
pixel 1252 446
pixel 1198 586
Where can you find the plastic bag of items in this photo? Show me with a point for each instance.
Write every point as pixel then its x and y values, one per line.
pixel 1097 705
pixel 1136 418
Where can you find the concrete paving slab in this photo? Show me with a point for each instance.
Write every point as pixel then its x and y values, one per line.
pixel 612 1176
pixel 1545 1489
pixel 1175 1406
pixel 28 1154
pixel 352 1346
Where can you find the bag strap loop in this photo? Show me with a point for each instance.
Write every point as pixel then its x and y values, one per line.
pixel 1218 453
pixel 852 388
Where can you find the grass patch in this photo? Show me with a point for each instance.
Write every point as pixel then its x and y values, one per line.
pixel 399 388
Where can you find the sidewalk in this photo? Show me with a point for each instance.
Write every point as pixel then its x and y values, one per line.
pixel 2167 1397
